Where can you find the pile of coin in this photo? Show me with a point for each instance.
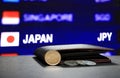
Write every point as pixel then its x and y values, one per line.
pixel 79 62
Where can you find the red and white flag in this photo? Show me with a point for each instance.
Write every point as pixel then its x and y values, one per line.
pixel 10 17
pixel 9 39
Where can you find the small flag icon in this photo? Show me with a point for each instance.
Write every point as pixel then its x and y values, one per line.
pixel 9 39
pixel 10 18
pixel 12 1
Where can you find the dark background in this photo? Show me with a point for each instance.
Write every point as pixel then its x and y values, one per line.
pixel 83 29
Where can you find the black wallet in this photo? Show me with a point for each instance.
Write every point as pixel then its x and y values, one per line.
pixel 57 54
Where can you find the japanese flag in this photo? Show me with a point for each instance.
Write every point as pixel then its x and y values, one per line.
pixel 9 39
pixel 10 18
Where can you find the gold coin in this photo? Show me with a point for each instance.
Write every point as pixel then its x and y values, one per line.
pixel 52 57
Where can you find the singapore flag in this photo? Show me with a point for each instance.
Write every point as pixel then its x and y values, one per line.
pixel 10 17
pixel 9 39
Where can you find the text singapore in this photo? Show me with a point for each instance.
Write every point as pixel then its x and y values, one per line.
pixel 67 17
pixel 38 38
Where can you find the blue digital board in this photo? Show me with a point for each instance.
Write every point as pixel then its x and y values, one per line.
pixel 28 24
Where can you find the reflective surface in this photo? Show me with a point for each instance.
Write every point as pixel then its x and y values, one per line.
pixel 26 66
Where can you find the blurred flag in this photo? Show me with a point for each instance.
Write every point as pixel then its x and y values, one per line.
pixel 14 1
pixel 9 39
pixel 10 18
pixel 9 54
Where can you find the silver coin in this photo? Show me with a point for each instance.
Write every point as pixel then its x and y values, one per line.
pixel 71 63
pixel 81 62
pixel 86 62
